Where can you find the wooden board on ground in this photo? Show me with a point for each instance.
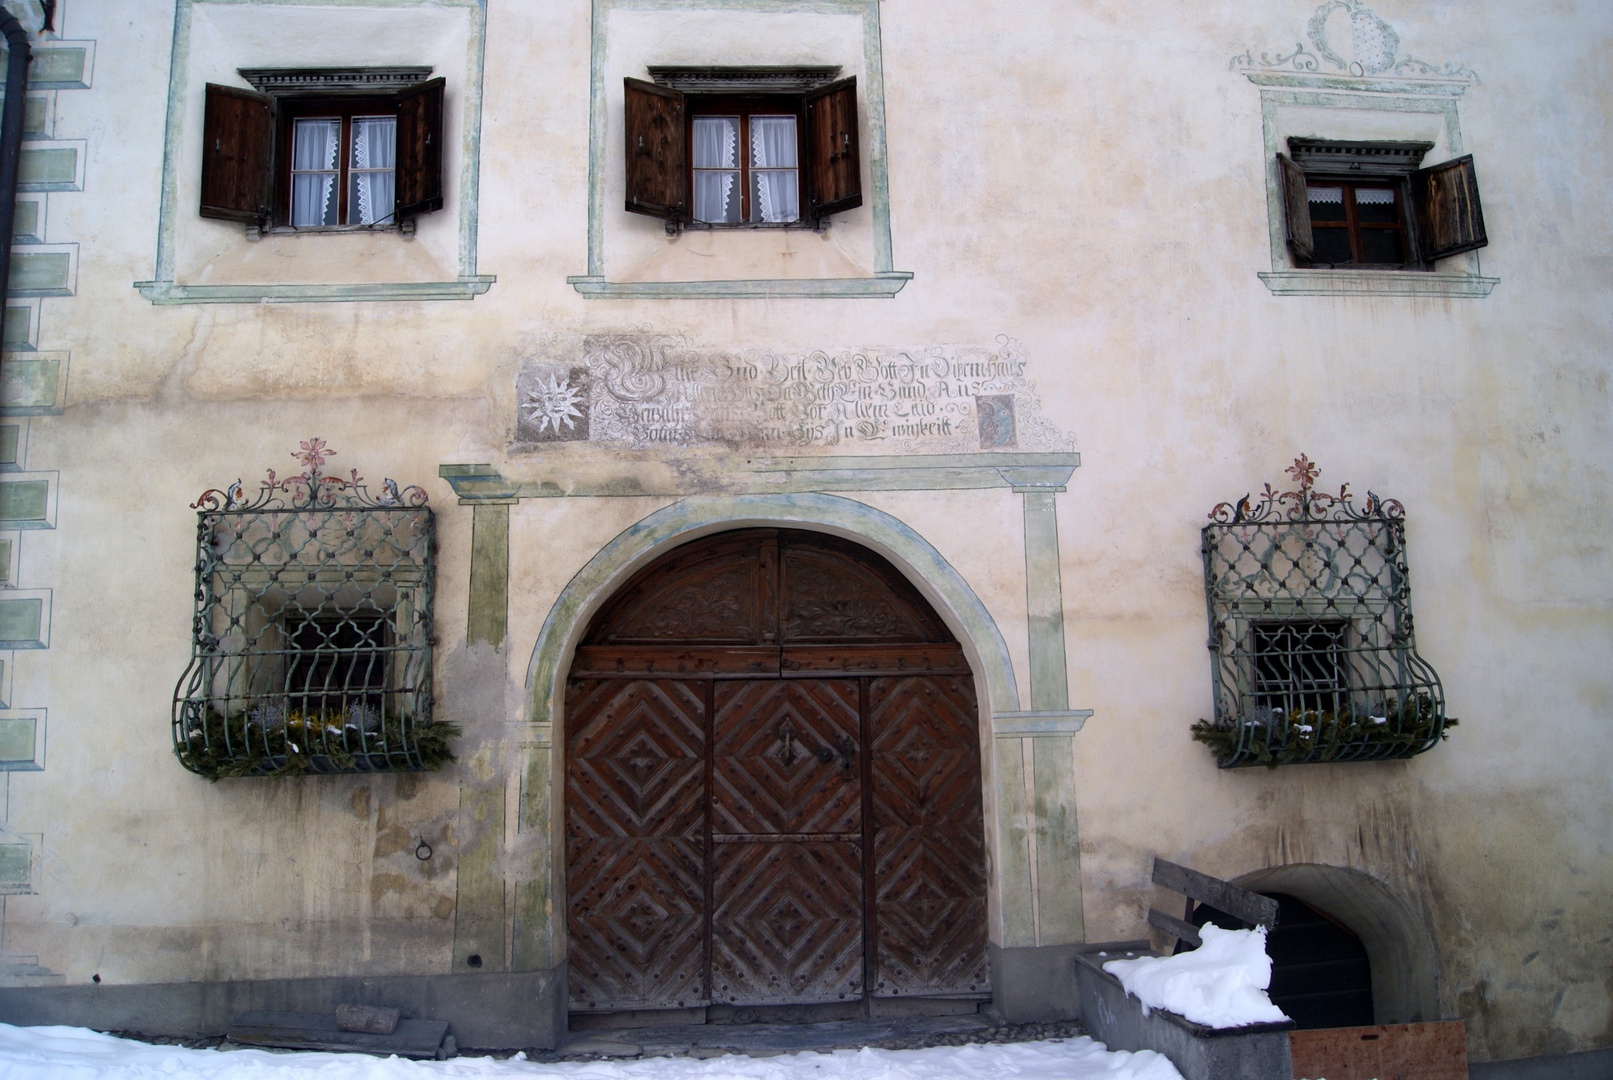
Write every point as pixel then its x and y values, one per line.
pixel 318 1031
pixel 1435 1051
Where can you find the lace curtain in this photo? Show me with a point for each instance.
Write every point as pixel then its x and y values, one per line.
pixel 371 172
pixel 716 152
pixel 313 172
pixel 773 167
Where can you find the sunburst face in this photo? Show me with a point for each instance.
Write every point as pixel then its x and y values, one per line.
pixel 553 402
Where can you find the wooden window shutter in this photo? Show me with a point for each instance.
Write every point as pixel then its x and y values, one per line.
pixel 237 142
pixel 419 161
pixel 1296 209
pixel 1449 217
pixel 833 165
pixel 657 159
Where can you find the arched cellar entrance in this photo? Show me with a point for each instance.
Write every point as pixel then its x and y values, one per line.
pixel 773 786
pixel 1320 973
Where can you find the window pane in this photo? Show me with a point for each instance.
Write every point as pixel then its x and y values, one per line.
pixel 716 142
pixel 313 171
pixel 1375 204
pixel 1327 203
pixel 772 142
pixel 313 199
pixel 716 196
pixel 374 142
pixel 1332 245
pixel 316 144
pixel 1381 246
pixel 775 197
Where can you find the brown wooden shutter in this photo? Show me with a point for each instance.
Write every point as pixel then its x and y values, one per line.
pixel 1449 217
pixel 419 149
pixel 657 161
pixel 1296 209
pixel 237 142
pixel 833 165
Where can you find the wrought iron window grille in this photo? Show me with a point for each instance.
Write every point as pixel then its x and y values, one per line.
pixel 1311 631
pixel 312 630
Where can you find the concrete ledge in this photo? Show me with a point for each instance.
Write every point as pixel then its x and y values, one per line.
pixel 492 1011
pixel 1114 1018
pixel 1034 983
pixel 1590 1065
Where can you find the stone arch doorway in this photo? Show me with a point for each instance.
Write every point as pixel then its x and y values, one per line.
pixel 773 785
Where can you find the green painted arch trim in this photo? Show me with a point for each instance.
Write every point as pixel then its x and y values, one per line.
pixel 699 516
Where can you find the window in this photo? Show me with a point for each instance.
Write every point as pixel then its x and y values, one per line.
pixel 342 166
pixel 1311 631
pixel 701 153
pixel 1298 664
pixel 746 162
pixel 1368 205
pixel 311 645
pixel 322 149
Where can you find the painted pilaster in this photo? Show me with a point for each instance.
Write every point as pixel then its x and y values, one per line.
pixel 479 908
pixel 1044 601
pixel 489 575
pixel 1038 841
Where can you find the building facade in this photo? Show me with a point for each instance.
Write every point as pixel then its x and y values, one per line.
pixel 802 448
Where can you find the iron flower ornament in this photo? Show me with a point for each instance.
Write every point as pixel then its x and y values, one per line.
pixel 310 489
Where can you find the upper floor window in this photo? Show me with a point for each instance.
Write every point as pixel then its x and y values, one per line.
pixel 746 160
pixel 700 154
pixel 1368 205
pixel 343 162
pixel 324 148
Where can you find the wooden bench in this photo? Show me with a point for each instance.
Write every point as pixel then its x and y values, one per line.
pixel 1252 908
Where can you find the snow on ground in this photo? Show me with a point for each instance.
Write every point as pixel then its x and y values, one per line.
pixel 66 1053
pixel 1220 984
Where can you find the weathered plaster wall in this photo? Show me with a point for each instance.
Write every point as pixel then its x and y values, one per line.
pixel 1089 180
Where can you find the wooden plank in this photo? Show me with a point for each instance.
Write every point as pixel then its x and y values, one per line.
pixel 874 659
pixel 1175 927
pixel 673 661
pixel 1222 895
pixel 1435 1051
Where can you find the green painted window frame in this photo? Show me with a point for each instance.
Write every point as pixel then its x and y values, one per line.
pixel 164 289
pixel 885 282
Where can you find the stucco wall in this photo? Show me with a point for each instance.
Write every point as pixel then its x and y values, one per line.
pixel 1089 181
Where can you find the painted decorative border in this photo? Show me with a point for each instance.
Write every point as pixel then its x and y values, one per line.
pixel 886 282
pixel 163 289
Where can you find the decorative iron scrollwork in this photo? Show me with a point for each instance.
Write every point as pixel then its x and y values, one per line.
pixel 1311 630
pixel 310 489
pixel 311 636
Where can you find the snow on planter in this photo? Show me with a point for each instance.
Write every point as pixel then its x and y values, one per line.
pixel 1221 984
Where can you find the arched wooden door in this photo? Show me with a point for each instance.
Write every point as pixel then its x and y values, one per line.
pixel 773 787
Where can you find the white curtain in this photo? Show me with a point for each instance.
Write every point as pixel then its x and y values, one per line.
pixel 716 147
pixel 773 161
pixel 313 178
pixel 375 151
pixel 1324 194
pixel 1371 196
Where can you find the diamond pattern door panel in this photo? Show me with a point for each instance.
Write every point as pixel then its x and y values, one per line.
pixel 786 757
pixel 787 924
pixel 635 843
pixel 929 838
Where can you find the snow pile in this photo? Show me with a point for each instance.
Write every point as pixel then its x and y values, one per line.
pixel 1221 984
pixel 64 1053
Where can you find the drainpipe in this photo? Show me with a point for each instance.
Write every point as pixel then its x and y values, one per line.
pixel 11 138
